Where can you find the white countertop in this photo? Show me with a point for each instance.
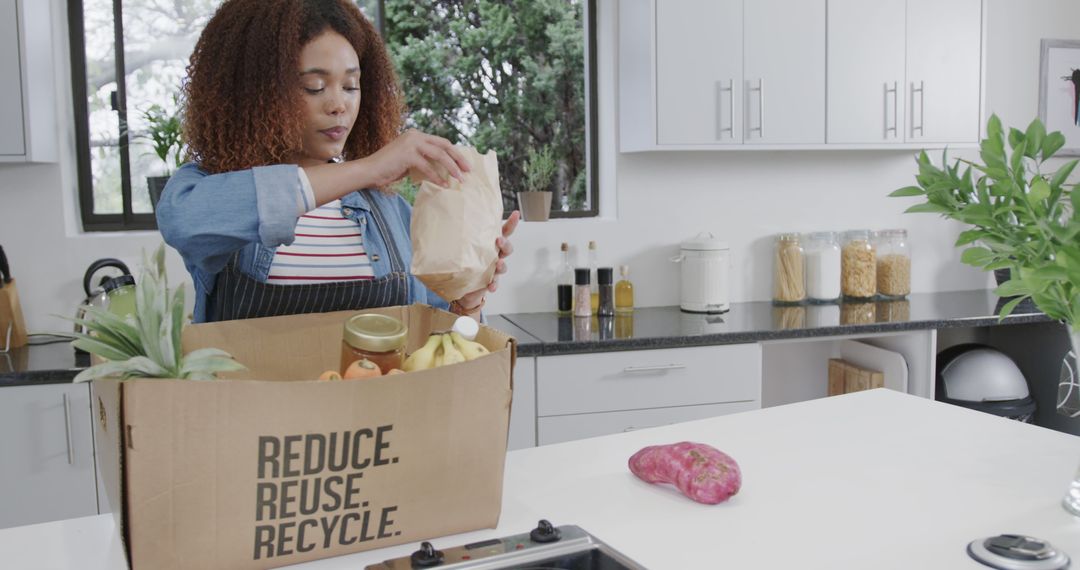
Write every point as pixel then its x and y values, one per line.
pixel 872 479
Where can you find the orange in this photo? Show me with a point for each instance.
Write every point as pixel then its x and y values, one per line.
pixel 361 369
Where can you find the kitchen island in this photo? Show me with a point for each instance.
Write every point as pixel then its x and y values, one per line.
pixel 873 479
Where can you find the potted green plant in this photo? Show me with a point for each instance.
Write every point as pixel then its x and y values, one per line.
pixel 1022 219
pixel 535 199
pixel 165 135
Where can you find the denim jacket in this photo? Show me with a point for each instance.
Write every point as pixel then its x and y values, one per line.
pixel 209 217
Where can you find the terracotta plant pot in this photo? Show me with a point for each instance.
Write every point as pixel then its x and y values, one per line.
pixel 535 206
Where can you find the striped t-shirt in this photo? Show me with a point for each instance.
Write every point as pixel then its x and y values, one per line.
pixel 328 247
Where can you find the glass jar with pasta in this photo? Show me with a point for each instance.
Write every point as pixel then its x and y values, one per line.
pixel 789 267
pixel 893 264
pixel 858 266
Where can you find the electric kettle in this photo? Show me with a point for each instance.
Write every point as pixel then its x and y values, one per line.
pixel 706 264
pixel 93 285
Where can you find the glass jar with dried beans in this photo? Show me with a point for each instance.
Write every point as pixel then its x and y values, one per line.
pixel 858 266
pixel 893 264
pixel 789 267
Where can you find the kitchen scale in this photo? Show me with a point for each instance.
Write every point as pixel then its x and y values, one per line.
pixel 546 547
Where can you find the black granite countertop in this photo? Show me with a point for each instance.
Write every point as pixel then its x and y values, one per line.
pixel 668 327
pixel 540 334
pixel 52 363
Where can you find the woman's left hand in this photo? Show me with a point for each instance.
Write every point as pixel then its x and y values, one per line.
pixel 475 299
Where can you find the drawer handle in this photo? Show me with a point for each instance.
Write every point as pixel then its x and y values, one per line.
pixel 629 429
pixel 67 430
pixel 657 368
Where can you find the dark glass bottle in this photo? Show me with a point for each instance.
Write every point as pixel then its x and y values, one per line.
pixel 606 287
pixel 565 283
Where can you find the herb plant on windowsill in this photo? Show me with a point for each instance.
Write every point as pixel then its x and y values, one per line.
pixel 535 200
pixel 164 132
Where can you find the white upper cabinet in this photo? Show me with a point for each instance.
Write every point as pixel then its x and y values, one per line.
pixel 11 102
pixel 789 74
pixel 27 92
pixel 699 72
pixel 866 71
pixel 904 71
pixel 783 59
pixel 943 70
pixel 718 73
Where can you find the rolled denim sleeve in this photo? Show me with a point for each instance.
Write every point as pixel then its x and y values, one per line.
pixel 208 217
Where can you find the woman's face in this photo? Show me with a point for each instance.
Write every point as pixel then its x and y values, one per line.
pixel 330 78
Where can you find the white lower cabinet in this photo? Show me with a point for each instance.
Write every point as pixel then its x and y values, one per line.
pixel 586 395
pixel 46 442
pixel 556 429
pixel 523 406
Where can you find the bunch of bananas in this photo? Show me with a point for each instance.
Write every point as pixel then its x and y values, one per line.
pixel 441 349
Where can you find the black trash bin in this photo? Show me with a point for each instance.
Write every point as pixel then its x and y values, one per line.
pixel 978 377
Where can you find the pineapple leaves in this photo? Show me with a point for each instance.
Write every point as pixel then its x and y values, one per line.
pixel 204 364
pixel 149 344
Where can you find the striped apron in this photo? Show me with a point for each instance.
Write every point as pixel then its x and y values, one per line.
pixel 237 296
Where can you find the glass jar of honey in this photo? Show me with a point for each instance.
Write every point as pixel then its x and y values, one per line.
pixel 378 338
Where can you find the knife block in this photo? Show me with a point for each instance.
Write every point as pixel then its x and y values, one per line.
pixel 11 316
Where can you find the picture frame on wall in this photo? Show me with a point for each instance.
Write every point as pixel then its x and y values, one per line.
pixel 1059 91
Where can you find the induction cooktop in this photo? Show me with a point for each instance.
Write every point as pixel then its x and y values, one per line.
pixel 546 547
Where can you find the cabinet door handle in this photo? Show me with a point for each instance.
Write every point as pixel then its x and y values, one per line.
pixel 721 129
pixel 67 430
pixel 921 90
pixel 656 368
pixel 895 115
pixel 761 108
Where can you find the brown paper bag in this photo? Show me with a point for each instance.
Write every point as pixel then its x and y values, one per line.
pixel 11 317
pixel 454 229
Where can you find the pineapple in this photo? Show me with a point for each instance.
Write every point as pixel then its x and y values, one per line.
pixel 148 345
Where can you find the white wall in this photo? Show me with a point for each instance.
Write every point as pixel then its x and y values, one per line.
pixel 651 201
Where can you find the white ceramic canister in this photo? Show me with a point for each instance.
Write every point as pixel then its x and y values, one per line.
pixel 706 264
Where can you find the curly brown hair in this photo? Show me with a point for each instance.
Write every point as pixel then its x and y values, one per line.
pixel 242 97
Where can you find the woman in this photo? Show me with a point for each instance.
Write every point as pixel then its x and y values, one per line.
pixel 293 114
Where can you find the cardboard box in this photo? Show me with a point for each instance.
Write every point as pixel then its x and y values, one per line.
pixel 265 472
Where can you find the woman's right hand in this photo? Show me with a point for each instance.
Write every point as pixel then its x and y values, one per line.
pixel 421 155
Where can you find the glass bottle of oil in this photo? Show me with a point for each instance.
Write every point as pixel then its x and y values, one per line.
pixel 624 291
pixel 565 283
pixel 594 278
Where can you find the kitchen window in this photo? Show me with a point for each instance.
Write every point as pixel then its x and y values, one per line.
pixel 531 84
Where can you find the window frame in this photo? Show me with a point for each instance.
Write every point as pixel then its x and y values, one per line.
pixel 128 220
